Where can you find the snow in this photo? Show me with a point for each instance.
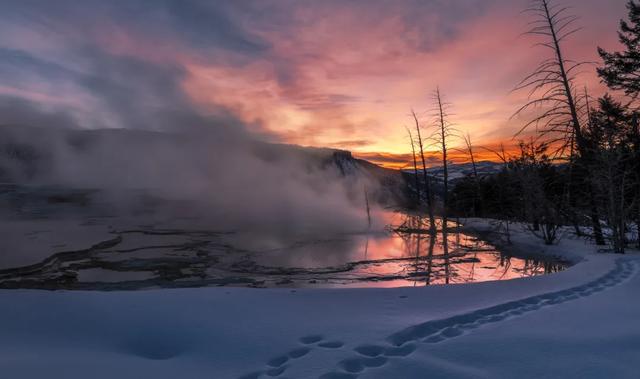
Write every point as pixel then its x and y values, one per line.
pixel 579 323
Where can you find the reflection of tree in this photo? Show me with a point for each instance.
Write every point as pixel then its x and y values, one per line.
pixel 470 260
pixel 366 248
pixel 418 239
pixel 432 244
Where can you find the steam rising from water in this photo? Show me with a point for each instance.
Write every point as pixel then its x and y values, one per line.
pixel 223 175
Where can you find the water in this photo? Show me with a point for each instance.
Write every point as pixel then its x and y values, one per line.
pixel 65 244
pixel 392 259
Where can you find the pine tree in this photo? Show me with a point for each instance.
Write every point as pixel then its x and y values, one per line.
pixel 621 70
pixel 610 132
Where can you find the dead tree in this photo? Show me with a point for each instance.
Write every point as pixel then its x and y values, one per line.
pixel 551 87
pixel 427 182
pixel 415 166
pixel 443 133
pixel 368 208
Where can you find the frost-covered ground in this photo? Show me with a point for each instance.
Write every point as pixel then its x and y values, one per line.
pixel 579 323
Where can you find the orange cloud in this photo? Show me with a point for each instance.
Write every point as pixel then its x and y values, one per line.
pixel 355 76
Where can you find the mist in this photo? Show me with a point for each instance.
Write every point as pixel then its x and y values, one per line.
pixel 221 175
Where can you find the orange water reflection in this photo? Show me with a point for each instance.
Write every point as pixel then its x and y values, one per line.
pixel 396 258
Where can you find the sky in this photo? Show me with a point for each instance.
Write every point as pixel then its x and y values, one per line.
pixel 332 73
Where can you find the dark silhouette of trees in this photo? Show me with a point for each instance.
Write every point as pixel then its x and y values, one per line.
pixel 621 70
pixel 611 133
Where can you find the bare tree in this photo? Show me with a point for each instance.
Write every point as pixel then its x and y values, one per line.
pixel 551 86
pixel 443 134
pixel 425 173
pixel 366 200
pixel 415 165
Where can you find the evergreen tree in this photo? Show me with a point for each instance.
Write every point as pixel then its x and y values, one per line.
pixel 621 70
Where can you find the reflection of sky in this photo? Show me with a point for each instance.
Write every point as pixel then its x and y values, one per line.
pixel 331 73
pixel 381 256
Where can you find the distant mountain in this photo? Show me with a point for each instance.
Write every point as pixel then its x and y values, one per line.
pixel 388 185
pixel 460 170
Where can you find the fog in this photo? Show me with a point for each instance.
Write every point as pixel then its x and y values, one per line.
pixel 81 112
pixel 221 175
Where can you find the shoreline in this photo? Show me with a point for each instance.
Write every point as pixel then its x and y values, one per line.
pixel 487 230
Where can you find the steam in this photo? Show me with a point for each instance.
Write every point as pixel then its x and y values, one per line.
pixel 223 176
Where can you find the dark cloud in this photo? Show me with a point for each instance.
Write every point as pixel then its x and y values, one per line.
pixel 198 23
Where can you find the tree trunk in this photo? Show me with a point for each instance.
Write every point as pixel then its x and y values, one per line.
pixel 415 167
pixel 427 182
pixel 577 130
pixel 445 175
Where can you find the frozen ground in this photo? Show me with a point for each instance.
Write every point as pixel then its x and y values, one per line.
pixel 579 323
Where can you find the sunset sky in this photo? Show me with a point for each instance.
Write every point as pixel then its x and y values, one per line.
pixel 332 73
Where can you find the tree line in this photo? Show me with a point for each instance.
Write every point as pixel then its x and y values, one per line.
pixel 580 165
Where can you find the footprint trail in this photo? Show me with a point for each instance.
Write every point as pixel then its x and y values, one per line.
pixel 404 342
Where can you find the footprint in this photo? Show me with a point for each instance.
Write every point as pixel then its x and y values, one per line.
pixel 299 352
pixel 351 365
pixel 278 361
pixel 276 371
pixel 311 339
pixel 496 318
pixel 469 326
pixel 451 332
pixel 369 350
pixel 401 351
pixel 434 339
pixel 375 362
pixel 331 344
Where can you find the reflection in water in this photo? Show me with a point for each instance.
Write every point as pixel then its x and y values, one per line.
pixel 405 254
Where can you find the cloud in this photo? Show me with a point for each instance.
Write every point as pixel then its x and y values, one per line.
pixel 300 72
